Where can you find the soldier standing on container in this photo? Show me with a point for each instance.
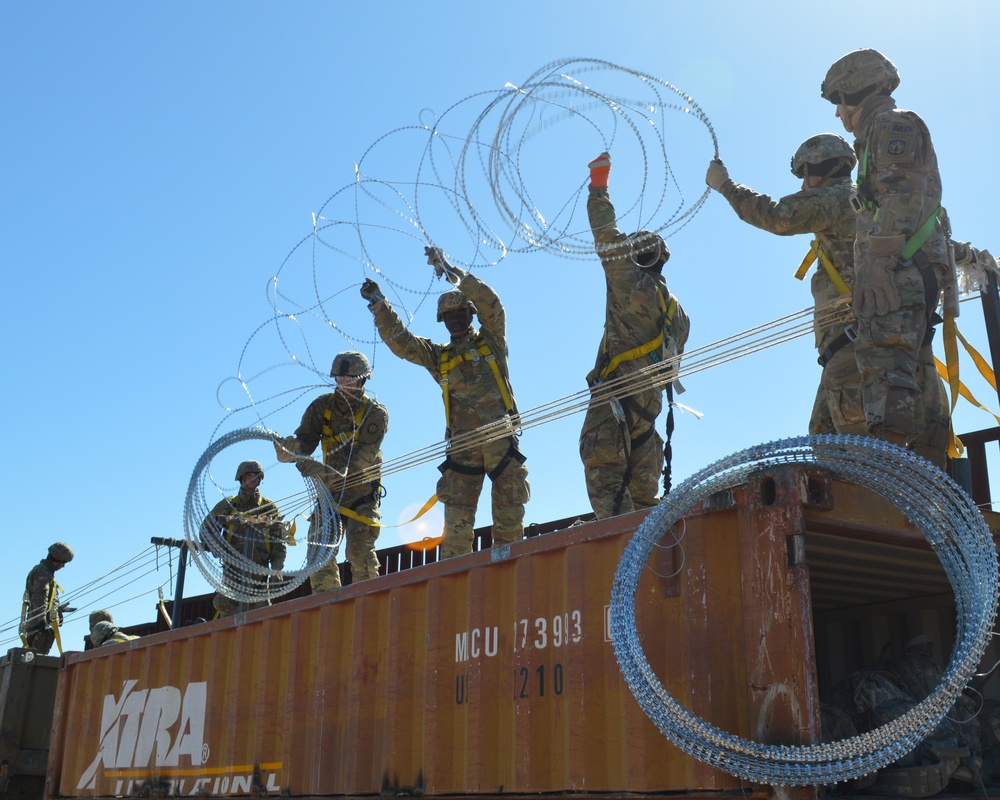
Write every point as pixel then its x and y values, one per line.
pixel 41 615
pixel 350 426
pixel 252 525
pixel 480 412
pixel 823 163
pixel 900 253
pixel 644 325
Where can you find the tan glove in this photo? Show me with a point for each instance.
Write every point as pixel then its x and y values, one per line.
pixel 875 292
pixel 442 267
pixel 287 449
pixel 717 175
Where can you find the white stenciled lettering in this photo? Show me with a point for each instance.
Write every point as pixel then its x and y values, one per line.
pixel 477 642
pixel 137 729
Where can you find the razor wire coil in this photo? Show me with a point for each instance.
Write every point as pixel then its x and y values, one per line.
pixel 227 565
pixel 936 506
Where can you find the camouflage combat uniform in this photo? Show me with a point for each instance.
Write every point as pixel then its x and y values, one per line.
pixel 41 593
pixel 900 189
pixel 473 399
pixel 623 460
pixel 825 211
pixel 351 434
pixel 260 542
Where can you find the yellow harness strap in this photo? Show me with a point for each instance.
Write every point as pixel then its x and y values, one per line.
pixel 54 590
pixel 449 362
pixel 816 251
pixel 376 524
pixel 667 312
pixel 24 623
pixel 329 437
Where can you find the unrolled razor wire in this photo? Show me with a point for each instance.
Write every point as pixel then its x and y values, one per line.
pixel 929 499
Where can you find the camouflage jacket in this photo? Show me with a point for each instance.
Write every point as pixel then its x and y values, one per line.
pixel 632 313
pixel 474 396
pixel 351 434
pixel 39 589
pixel 825 212
pixel 260 540
pixel 898 180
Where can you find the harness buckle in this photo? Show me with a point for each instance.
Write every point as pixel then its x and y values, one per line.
pixel 474 355
pixel 851 332
pixel 856 205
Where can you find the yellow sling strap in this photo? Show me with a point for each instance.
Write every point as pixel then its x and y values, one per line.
pixel 816 251
pixel 667 312
pixel 481 350
pixel 329 438
pixel 950 374
pixel 376 524
pixel 54 590
pixel 24 623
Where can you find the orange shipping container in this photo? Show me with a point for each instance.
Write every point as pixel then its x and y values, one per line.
pixel 488 674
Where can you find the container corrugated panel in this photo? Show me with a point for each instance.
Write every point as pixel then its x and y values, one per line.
pixel 488 674
pixel 478 675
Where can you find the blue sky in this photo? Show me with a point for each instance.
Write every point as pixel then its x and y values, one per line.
pixel 162 162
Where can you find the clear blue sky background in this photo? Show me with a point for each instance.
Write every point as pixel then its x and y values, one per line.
pixel 160 161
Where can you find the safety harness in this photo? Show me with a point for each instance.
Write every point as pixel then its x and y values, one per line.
pixel 329 438
pixel 245 517
pixel 451 359
pixel 50 604
pixel 652 349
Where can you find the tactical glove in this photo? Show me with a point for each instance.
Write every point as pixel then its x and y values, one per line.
pixel 875 292
pixel 717 175
pixel 600 170
pixel 309 467
pixel 371 291
pixel 287 449
pixel 437 259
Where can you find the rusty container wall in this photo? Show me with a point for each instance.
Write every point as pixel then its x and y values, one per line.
pixel 487 674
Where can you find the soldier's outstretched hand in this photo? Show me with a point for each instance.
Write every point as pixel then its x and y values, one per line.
pixel 600 170
pixel 717 174
pixel 371 291
pixel 435 257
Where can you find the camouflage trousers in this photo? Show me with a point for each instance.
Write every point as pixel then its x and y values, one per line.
pixel 461 483
pixel 41 640
pixel 622 463
pixel 898 378
pixel 838 407
pixel 360 542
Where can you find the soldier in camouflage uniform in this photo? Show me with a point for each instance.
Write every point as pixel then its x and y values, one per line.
pixel 41 614
pixel 900 253
pixel 478 400
pixel 105 634
pixel 823 207
pixel 252 525
pixel 622 452
pixel 350 426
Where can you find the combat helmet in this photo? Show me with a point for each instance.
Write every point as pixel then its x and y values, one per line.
pixel 351 364
pixel 816 150
pixel 858 74
pixel 102 632
pixel 453 300
pixel 249 466
pixel 648 250
pixel 60 551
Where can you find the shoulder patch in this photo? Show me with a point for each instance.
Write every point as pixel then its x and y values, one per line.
pixel 372 428
pixel 899 127
pixel 897 147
